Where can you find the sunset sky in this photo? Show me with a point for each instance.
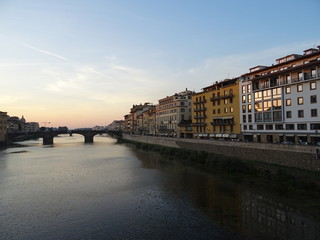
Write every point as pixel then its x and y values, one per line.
pixel 80 63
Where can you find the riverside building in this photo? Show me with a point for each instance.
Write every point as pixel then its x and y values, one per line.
pixel 281 103
pixel 3 128
pixel 171 111
pixel 215 110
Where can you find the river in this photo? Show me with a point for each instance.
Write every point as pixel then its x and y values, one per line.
pixel 104 190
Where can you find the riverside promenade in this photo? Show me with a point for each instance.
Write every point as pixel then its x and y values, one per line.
pixel 298 156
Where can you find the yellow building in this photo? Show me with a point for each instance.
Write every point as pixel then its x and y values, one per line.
pixel 215 110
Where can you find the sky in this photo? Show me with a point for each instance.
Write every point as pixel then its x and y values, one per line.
pixel 81 63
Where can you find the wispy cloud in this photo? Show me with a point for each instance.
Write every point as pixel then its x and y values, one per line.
pixel 218 68
pixel 65 59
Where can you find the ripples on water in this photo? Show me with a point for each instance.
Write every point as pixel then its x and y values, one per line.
pixel 103 190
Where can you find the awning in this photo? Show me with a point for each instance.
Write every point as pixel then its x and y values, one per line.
pixel 289 135
pixel 302 135
pixel 233 136
pixel 218 135
pixel 217 118
pixel 225 135
pixel 211 135
pixel 227 117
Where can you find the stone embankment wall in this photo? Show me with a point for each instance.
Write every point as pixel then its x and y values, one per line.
pixel 298 156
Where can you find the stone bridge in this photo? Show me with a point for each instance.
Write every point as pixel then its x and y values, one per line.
pixel 48 136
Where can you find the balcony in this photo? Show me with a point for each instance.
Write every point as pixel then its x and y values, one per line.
pixel 217 98
pixel 200 102
pixel 202 124
pixel 200 117
pixel 200 109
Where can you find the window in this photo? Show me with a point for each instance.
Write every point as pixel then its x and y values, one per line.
pixel 288 90
pixel 258 96
pixel 289 126
pixel 258 117
pixel 302 126
pixel 244 118
pixel 299 88
pixel 258 107
pixel 276 104
pixel 244 127
pixel 314 126
pixel 300 114
pixel 267 116
pixel 218 110
pixel 313 86
pixel 300 76
pixel 243 98
pixel 249 108
pixel 260 127
pixel 276 92
pixel 226 101
pixel 214 111
pixel 288 114
pixel 243 89
pixel 250 127
pixel 249 88
pixel 313 99
pixel 266 94
pixel 288 102
pixel 266 105
pixel 249 98
pixel 277 116
pixel 279 127
pixel 225 110
pixel 243 108
pixel 269 127
pixel 231 109
pixel 314 112
pixel 300 100
pixel 249 118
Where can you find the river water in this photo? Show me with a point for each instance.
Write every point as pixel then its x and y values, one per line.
pixel 104 190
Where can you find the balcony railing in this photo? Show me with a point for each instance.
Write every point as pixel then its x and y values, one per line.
pixel 285 81
pixel 200 109
pixel 202 124
pixel 200 101
pixel 200 117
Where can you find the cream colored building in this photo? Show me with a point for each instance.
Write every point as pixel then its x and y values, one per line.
pixel 171 111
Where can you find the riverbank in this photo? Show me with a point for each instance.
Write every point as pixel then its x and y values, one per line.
pixel 287 182
pixel 297 156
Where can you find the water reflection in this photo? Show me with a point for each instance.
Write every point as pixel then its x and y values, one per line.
pixel 256 215
pixel 104 190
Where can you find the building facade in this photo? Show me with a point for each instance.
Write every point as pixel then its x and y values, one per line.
pixel 280 103
pixel 3 128
pixel 216 110
pixel 171 111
